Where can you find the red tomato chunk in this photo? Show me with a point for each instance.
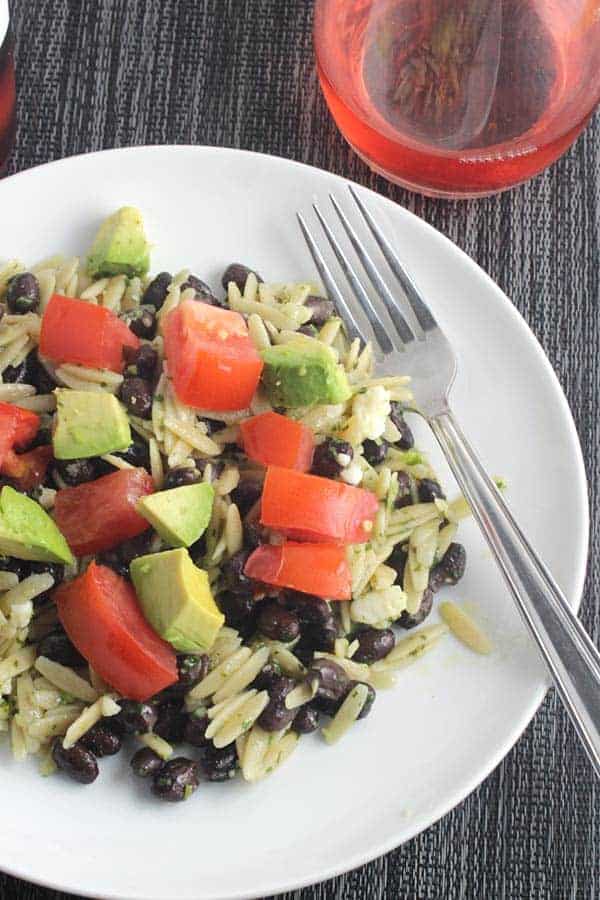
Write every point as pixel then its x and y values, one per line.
pixel 275 440
pixel 18 427
pixel 100 514
pixel 310 508
pixel 27 470
pixel 212 360
pixel 102 617
pixel 319 569
pixel 75 331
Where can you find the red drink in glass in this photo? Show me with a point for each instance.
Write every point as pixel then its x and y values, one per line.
pixel 459 98
pixel 7 87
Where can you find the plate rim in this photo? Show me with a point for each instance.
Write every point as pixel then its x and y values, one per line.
pixel 581 485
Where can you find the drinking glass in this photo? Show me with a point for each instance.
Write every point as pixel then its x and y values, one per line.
pixel 459 98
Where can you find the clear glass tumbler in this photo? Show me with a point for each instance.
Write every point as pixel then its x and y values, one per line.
pixel 459 98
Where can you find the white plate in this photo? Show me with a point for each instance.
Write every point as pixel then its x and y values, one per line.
pixel 453 716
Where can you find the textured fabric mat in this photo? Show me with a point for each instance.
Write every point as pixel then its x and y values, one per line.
pixel 110 73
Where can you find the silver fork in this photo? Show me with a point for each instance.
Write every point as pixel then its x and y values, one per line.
pixel 426 355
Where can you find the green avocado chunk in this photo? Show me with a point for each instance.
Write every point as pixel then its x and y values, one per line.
pixel 180 515
pixel 88 424
pixel 120 247
pixel 28 532
pixel 176 599
pixel 303 374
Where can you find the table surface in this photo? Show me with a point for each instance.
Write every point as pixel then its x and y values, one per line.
pixel 94 74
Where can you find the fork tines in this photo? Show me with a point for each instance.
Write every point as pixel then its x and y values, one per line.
pixel 391 331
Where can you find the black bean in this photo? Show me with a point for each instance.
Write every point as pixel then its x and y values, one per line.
pixel 134 718
pixel 276 715
pixel 309 330
pixel 44 568
pixel 374 644
pixel 135 546
pixel 171 722
pixel 333 685
pixel 57 647
pixel 278 623
pixel 77 762
pixel 406 440
pixel 16 374
pixel 309 609
pixel 136 394
pixel 322 309
pixel 76 471
pixel 141 321
pixel 331 457
pixel 218 764
pixel 197 551
pixel 156 292
pixel 397 560
pixel 370 700
pixel 320 637
pixel 181 476
pixel 240 611
pixel 238 273
pixel 246 494
pixel 203 292
pixel 306 720
pixel 17 566
pixel 429 490
pixel 453 563
pixel 177 780
pixel 411 620
pixel 404 495
pixel 191 668
pixel 267 677
pixel 217 467
pixel 195 730
pixel 375 451
pixel 112 560
pixel 146 763
pixel 233 573
pixel 101 741
pixel 23 293
pixel 137 454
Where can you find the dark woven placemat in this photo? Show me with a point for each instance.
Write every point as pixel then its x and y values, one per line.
pixel 109 73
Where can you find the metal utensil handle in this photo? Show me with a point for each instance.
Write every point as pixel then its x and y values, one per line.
pixel 570 655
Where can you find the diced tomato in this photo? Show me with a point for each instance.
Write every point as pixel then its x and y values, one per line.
pixel 100 514
pixel 27 470
pixel 75 331
pixel 17 428
pixel 102 617
pixel 275 440
pixel 320 569
pixel 310 508
pixel 211 358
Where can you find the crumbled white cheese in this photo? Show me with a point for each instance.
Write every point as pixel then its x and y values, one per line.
pixel 352 474
pixel 379 607
pixel 369 415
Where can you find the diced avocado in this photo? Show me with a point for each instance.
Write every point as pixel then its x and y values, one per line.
pixel 28 532
pixel 179 515
pixel 176 599
pixel 120 247
pixel 88 424
pixel 302 374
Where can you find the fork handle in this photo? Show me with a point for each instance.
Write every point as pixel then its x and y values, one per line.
pixel 571 657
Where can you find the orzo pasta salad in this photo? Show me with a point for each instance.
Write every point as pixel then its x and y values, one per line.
pixel 216 533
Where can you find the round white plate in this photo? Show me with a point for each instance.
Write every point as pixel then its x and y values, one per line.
pixel 453 716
